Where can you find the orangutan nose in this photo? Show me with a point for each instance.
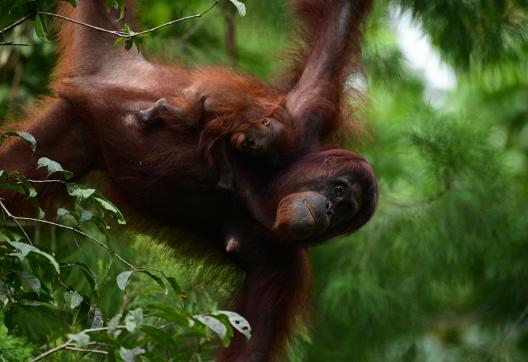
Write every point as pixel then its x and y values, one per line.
pixel 329 210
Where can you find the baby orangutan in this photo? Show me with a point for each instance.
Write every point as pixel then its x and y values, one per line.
pixel 252 133
pixel 255 137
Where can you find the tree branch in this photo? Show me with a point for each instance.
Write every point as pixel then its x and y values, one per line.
pixel 17 23
pixel 100 243
pixel 124 34
pixel 12 43
pixel 68 344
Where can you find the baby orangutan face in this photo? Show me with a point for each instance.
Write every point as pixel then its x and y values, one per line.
pixel 261 139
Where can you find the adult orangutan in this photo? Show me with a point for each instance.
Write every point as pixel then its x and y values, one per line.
pixel 238 162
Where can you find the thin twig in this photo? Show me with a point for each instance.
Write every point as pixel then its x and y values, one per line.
pixel 16 23
pixel 123 34
pixel 12 43
pixel 93 27
pixel 15 220
pixel 46 181
pixel 514 328
pixel 53 350
pixel 86 350
pixel 68 343
pixel 178 20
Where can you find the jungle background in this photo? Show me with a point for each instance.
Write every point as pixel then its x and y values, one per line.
pixel 440 272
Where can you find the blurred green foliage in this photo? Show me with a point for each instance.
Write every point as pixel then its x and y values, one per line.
pixel 440 272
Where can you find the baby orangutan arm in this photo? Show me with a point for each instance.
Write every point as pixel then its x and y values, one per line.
pixel 187 113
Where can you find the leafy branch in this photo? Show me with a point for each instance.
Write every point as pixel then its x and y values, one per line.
pixel 72 343
pixel 126 35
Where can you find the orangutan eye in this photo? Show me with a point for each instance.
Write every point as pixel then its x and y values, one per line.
pixel 339 190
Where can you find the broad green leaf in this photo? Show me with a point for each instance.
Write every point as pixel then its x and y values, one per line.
pixel 239 6
pixel 24 135
pixel 128 43
pixel 90 275
pixel 53 167
pixel 22 186
pixel 85 216
pixel 28 138
pixel 62 212
pixel 237 321
pixel 97 321
pixel 41 214
pixel 161 337
pixel 174 284
pixel 120 40
pixel 79 191
pixel 41 27
pixel 25 249
pixel 214 324
pixel 72 2
pixel 134 320
pixel 129 355
pixel 113 323
pixel 30 280
pixel 3 294
pixel 178 316
pixel 157 279
pixel 81 340
pixel 107 205
pixel 122 279
pixel 72 299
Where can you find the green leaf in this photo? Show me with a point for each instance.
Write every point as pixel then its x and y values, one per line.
pixel 129 355
pixel 21 186
pixel 53 167
pixel 72 299
pixel 41 27
pixel 97 321
pixel 169 313
pixel 72 2
pixel 113 323
pixel 85 216
pixel 157 279
pixel 239 6
pixel 161 337
pixel 108 206
pixel 81 340
pixel 237 321
pixel 24 135
pixel 122 279
pixel 62 212
pixel 90 275
pixel 3 294
pixel 134 320
pixel 128 43
pixel 25 249
pixel 79 191
pixel 120 40
pixel 30 280
pixel 215 325
pixel 172 281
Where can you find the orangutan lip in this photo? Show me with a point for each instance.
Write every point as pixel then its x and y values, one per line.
pixel 238 139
